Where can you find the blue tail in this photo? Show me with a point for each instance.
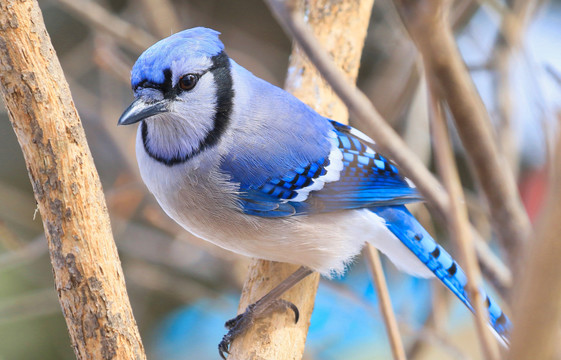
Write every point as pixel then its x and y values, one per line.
pixel 407 229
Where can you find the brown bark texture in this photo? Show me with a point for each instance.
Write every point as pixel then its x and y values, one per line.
pixel 88 277
pixel 340 27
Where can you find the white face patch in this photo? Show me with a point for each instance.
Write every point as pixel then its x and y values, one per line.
pixel 188 66
pixel 181 131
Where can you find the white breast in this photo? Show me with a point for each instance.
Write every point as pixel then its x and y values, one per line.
pixel 204 202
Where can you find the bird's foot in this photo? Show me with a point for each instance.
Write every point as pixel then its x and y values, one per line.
pixel 241 323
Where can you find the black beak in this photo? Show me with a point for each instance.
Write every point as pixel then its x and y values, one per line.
pixel 140 110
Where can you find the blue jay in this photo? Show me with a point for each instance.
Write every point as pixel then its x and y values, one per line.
pixel 247 166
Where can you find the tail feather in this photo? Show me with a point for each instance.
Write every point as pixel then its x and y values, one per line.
pixel 407 229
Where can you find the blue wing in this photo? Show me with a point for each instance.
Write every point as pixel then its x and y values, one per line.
pixel 348 175
pixel 407 229
pixel 367 179
pixel 364 179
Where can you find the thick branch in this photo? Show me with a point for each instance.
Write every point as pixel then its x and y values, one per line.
pixel 277 337
pixel 88 277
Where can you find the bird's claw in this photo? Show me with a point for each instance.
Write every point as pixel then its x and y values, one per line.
pixel 224 345
pixel 241 323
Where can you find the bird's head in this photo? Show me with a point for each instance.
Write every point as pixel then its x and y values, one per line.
pixel 183 95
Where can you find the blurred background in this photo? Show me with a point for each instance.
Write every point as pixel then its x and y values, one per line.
pixel 182 289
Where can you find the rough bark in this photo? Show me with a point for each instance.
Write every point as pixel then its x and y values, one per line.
pixel 341 28
pixel 88 277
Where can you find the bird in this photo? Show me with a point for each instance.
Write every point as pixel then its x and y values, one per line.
pixel 247 166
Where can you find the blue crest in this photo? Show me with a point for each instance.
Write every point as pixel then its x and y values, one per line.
pixel 195 42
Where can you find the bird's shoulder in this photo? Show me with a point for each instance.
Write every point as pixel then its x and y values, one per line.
pixel 272 133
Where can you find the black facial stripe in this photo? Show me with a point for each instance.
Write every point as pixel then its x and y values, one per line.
pixel 224 98
pixel 167 89
pixel 224 103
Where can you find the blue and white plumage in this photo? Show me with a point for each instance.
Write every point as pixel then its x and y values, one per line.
pixel 247 166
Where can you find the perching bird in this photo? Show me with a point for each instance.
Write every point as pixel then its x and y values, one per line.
pixel 247 166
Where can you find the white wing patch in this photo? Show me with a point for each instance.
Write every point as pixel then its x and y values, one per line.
pixel 361 135
pixel 332 171
pixel 364 137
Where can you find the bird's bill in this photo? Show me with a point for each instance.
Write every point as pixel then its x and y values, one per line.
pixel 140 110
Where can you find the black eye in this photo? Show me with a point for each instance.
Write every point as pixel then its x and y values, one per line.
pixel 187 82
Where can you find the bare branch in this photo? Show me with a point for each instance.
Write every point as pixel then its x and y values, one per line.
pixel 127 35
pixel 109 58
pixel 508 42
pixel 426 21
pixel 277 337
pixel 162 16
pixel 89 280
pixel 538 309
pixel 381 286
pixel 459 224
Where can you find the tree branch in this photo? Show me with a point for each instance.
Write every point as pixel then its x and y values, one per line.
pixel 459 224
pixel 396 344
pixel 88 278
pixel 128 35
pixel 277 337
pixel 538 310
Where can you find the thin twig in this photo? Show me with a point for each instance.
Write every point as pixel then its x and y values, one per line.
pixel 110 59
pixel 426 335
pixel 439 313
pixel 161 15
pixel 491 266
pixel 128 35
pixel 508 43
pixel 459 224
pixel 396 344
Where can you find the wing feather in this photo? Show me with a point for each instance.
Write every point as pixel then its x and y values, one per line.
pixel 352 175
